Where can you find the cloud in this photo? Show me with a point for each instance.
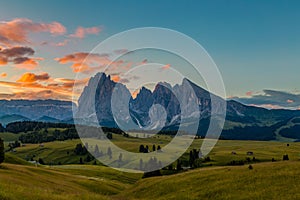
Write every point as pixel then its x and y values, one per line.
pixel 272 99
pixel 17 30
pixel 61 44
pixel 85 62
pixel 19 57
pixel 31 77
pixel 120 51
pixel 249 93
pixel 42 86
pixel 165 67
pixel 81 32
pixel 79 57
pixel 3 75
pixel 16 52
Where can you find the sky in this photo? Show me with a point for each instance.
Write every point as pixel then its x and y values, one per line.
pixel 255 44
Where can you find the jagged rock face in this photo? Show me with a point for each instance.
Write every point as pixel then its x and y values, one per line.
pixel 35 109
pixel 140 107
pixel 165 96
pixel 175 103
pixel 94 103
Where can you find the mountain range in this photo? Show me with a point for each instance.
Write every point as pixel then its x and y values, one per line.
pixel 166 107
pixel 35 110
pixel 178 103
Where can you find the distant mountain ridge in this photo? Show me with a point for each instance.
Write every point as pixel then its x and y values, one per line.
pixel 95 106
pixel 239 117
pixel 36 109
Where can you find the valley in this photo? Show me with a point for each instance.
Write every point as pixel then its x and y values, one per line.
pixel 215 179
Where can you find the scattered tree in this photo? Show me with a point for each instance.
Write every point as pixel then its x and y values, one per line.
pixel 158 148
pixel 88 158
pixel 109 152
pixel 120 157
pixel 146 150
pixel 109 136
pixel 80 161
pixel 41 161
pixel 142 148
pixel 178 166
pixel 153 148
pixel 1 151
pixel 97 152
pixel 285 157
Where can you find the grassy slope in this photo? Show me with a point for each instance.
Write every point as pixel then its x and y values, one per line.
pixel 51 152
pixel 266 181
pixel 29 182
pixel 220 155
pixel 279 180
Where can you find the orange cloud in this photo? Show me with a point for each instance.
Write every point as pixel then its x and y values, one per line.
pixel 3 61
pixel 78 67
pixel 28 86
pixel 85 62
pixel 290 101
pixel 16 31
pixel 167 66
pixel 3 75
pixel 81 32
pixel 79 57
pixel 31 77
pixel 18 56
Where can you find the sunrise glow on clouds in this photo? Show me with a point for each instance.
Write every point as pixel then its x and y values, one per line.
pixel 17 51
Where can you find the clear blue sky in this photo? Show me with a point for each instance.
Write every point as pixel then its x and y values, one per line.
pixel 256 44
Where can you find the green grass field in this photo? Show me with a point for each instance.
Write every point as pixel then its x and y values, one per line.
pixel 279 180
pixel 215 180
pixel 263 151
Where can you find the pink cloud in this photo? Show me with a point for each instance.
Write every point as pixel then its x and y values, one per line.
pixel 19 57
pixel 249 93
pixel 82 32
pixel 16 31
pixel 61 44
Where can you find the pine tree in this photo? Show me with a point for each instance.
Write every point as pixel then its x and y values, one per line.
pixel 109 152
pixel 120 157
pixel 1 151
pixel 158 148
pixel 142 148
pixel 153 148
pixel 96 152
pixel 88 158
